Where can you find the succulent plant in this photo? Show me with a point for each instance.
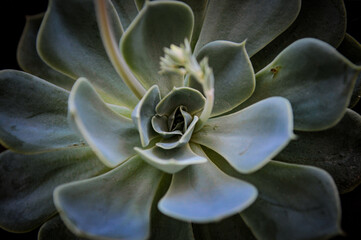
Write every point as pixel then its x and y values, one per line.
pixel 188 119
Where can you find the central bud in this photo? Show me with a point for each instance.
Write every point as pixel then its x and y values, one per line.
pixel 176 116
pixel 178 120
pixel 166 124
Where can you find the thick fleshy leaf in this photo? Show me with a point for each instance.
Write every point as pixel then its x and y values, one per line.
pixel 127 11
pixel 164 227
pixel 257 21
pixel 33 116
pixel 176 142
pixel 28 57
pixel 55 229
pixel 125 211
pixel 110 135
pixel 351 49
pixel 234 79
pixel 249 138
pixel 337 150
pixel 143 113
pixel 170 161
pixel 203 193
pixel 315 20
pixel 281 212
pixel 27 183
pixel 199 9
pixel 231 228
pixel 179 119
pixel 159 124
pixel 158 25
pixel 190 98
pixel 69 41
pixel 314 77
pixel 294 201
pixel 124 111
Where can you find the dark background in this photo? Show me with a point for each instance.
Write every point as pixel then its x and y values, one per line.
pixel 12 14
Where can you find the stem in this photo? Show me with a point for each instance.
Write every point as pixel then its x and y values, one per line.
pixel 113 51
pixel 208 106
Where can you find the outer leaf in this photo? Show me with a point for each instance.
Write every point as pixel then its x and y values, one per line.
pixel 27 183
pixel 311 212
pixel 233 74
pixel 316 19
pixel 69 41
pixel 202 193
pixel 314 77
pixel 143 113
pixel 127 11
pixel 231 20
pixel 55 229
pixel 199 8
pixel 33 116
pixel 351 49
pixel 29 59
pixel 125 211
pixel 337 150
pixel 294 201
pixel 192 99
pixel 170 161
pixel 158 25
pixel 110 135
pixel 249 138
pixel 164 227
pixel 228 229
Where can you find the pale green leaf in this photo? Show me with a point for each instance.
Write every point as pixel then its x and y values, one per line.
pixel 158 25
pixel 170 161
pixel 127 11
pixel 294 201
pixel 110 135
pixel 203 193
pixel 190 98
pixel 164 227
pixel 336 150
pixel 199 8
pixel 33 114
pixel 176 142
pixel 281 212
pixel 70 42
pixel 28 57
pixel 143 113
pixel 321 19
pixel 160 125
pixel 234 79
pixel 314 77
pixel 248 139
pixel 257 21
pixel 27 183
pixel 115 205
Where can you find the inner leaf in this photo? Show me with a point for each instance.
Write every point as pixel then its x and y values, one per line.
pixel 179 119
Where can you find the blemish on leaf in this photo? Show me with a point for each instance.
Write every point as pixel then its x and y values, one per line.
pixel 275 71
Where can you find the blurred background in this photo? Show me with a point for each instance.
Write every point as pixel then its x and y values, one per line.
pixel 12 14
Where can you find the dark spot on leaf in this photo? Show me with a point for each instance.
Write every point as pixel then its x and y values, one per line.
pixel 215 127
pixel 275 71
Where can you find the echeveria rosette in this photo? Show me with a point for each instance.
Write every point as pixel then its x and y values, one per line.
pixel 115 167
